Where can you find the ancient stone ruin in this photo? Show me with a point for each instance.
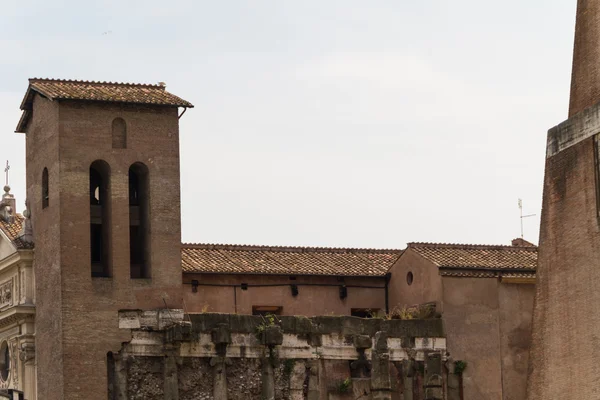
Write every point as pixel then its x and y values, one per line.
pixel 226 356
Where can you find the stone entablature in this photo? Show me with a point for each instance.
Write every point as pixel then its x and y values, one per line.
pixel 281 357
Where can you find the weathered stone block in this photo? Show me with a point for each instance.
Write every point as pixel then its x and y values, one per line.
pixel 381 342
pixel 272 336
pixel 221 334
pixel 362 341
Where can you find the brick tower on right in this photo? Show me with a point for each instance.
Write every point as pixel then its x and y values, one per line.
pixel 565 352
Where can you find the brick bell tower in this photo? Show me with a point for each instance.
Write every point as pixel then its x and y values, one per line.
pixel 564 361
pixel 103 190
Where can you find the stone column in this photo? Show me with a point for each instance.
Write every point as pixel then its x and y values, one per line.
pixel 221 337
pixel 120 377
pixel 453 383
pixel 297 377
pixel 27 357
pixel 314 392
pixel 219 365
pixel 272 336
pixel 433 380
pixel 381 386
pixel 408 375
pixel 171 378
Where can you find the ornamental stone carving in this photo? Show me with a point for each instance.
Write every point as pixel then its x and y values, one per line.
pixel 6 295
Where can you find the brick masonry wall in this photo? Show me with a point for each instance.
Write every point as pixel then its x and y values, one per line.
pixel 585 79
pixel 42 151
pixel 565 349
pixel 77 313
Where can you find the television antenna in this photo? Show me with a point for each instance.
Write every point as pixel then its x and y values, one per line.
pixel 523 216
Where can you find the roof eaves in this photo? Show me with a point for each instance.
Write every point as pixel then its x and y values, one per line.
pixel 26 106
pixel 291 273
pixel 488 269
pixel 462 246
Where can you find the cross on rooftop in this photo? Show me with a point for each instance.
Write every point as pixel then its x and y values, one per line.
pixel 6 172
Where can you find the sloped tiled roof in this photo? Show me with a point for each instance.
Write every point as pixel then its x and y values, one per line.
pixel 480 261
pixel 63 89
pixel 13 231
pixel 243 259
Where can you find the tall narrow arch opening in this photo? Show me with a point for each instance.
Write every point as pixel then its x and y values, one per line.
pixel 139 221
pixel 99 196
pixel 45 189
pixel 119 134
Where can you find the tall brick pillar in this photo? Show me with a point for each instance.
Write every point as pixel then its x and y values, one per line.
pixel 564 361
pixel 585 77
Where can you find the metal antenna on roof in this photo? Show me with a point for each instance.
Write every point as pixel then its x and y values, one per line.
pixel 6 172
pixel 523 216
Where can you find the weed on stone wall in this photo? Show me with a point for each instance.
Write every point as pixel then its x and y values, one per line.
pixel 344 386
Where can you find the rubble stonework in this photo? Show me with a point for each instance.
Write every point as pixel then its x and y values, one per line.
pixel 227 356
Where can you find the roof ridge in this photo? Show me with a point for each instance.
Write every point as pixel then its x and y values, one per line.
pixel 461 246
pixel 153 85
pixel 302 249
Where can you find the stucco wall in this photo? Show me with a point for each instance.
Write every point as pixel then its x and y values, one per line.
pixel 471 317
pixel 516 309
pixel 6 248
pixel 310 301
pixel 426 286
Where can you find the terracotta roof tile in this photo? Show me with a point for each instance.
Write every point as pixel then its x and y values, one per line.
pixel 13 232
pixel 469 274
pixel 480 274
pixel 63 89
pixel 477 256
pixel 242 259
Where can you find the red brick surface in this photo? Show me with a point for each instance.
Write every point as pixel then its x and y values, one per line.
pixel 76 321
pixel 564 355
pixel 585 79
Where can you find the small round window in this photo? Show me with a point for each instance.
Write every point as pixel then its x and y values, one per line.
pixel 409 278
pixel 4 361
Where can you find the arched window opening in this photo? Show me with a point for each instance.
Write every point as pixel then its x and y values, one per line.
pixel 119 134
pixel 45 189
pixel 100 219
pixel 139 229
pixel 4 361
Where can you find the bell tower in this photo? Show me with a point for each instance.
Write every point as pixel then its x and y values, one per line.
pixel 103 189
pixel 563 360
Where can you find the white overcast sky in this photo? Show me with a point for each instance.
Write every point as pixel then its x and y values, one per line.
pixel 324 122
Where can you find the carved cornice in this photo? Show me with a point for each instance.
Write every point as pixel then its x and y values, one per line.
pixel 16 314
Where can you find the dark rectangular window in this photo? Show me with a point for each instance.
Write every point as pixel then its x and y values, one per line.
pixel 264 310
pixel 597 172
pixel 364 312
pixel 96 250
pixel 139 221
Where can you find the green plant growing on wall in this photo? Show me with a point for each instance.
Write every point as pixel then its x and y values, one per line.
pixel 268 320
pixel 344 386
pixel 288 367
pixel 459 367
